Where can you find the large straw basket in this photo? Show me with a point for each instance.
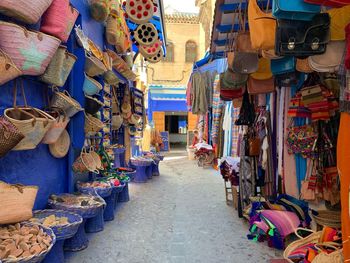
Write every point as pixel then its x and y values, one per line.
pixel 84 163
pixel 32 123
pixel 63 100
pixel 92 124
pixel 327 218
pixel 17 202
pixel 314 237
pixel 91 86
pixel 113 31
pixel 59 68
pixel 31 51
pixel 8 69
pixel 59 19
pixel 24 10
pixel 94 66
pixel 60 148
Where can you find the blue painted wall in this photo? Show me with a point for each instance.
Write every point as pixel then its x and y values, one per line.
pixel 38 167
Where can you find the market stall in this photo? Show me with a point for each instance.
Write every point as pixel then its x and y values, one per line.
pixel 272 114
pixel 68 107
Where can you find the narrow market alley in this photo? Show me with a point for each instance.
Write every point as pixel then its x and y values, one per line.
pixel 180 216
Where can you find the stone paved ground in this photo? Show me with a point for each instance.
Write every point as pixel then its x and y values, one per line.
pixel 179 217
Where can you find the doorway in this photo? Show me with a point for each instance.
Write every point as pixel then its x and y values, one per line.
pixel 176 123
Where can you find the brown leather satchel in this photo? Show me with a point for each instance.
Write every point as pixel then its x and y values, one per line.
pixel 257 86
pixel 254 146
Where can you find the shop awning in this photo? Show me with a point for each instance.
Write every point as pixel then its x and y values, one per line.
pixel 226 25
pixel 164 92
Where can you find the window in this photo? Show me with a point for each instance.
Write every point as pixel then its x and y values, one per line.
pixel 191 51
pixel 169 53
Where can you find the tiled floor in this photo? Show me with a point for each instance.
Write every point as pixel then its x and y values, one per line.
pixel 180 216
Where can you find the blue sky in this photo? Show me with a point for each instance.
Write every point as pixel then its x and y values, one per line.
pixel 181 5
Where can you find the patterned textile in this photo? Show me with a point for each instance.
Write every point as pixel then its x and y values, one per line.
pixel 344 81
pixel 218 107
pixel 201 126
pixel 189 94
pixel 235 132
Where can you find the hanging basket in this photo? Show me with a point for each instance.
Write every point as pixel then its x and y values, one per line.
pixel 17 202
pixel 59 19
pixel 26 11
pixel 8 69
pixel 84 163
pixel 31 51
pixel 92 105
pixel 97 159
pixel 92 124
pixel 10 136
pixel 59 68
pixel 32 123
pixel 94 66
pixel 60 124
pixel 60 148
pixel 110 78
pixel 113 32
pixel 64 101
pixel 91 86
pixel 99 9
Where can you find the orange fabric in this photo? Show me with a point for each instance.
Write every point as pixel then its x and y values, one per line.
pixel 343 159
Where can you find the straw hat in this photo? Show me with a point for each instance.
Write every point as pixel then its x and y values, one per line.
pixel 126 107
pixel 60 148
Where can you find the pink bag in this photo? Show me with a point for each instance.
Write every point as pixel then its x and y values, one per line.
pixel 59 19
pixel 24 10
pixel 31 51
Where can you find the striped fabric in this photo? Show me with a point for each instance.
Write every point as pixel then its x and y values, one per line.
pixel 218 107
pixel 235 132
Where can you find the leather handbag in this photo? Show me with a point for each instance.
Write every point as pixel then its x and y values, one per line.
pixel 262 27
pixel 257 86
pixel 228 93
pixel 245 62
pixel 247 112
pixel 301 38
pixel 233 80
pixel 283 65
pixel 294 10
pixel 243 42
pixel 330 3
pixel 303 65
pixel 254 146
pixel 340 18
pixel 264 70
pixel 330 60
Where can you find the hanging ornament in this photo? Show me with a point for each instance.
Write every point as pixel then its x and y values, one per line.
pixel 149 51
pixel 146 34
pixel 139 11
pixel 156 58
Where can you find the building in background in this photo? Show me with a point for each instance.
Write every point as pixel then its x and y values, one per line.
pixel 206 16
pixel 167 80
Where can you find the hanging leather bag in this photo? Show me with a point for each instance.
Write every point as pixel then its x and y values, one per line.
pixel 294 10
pixel 330 60
pixel 340 18
pixel 228 93
pixel 261 81
pixel 262 27
pixel 300 38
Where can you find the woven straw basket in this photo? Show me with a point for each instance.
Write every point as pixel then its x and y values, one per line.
pixel 92 124
pixel 24 10
pixel 314 237
pixel 59 68
pixel 99 9
pixel 60 148
pixel 64 101
pixel 94 66
pixel 59 19
pixel 327 218
pixel 17 202
pixel 32 123
pixel 31 51
pixel 112 30
pixel 60 124
pixel 8 69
